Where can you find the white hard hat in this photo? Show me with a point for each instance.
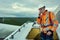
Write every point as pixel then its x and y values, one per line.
pixel 42 7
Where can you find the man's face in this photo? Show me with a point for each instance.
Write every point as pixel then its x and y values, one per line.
pixel 42 10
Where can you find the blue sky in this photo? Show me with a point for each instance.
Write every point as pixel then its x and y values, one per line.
pixel 16 8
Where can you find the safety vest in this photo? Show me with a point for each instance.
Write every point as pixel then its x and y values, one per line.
pixel 47 21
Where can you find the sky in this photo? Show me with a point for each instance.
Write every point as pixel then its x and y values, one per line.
pixel 25 8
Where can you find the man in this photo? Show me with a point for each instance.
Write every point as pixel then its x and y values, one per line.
pixel 48 23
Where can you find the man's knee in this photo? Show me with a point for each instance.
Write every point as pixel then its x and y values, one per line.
pixel 42 36
pixel 45 36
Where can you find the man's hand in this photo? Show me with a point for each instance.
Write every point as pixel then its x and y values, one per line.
pixel 44 30
pixel 49 33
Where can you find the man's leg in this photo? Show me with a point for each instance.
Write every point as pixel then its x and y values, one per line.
pixel 43 36
pixel 49 37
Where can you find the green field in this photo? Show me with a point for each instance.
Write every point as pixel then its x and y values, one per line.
pixel 15 21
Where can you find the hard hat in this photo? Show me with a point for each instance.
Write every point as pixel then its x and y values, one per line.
pixel 42 7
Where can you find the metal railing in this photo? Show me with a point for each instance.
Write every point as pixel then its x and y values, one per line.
pixel 11 36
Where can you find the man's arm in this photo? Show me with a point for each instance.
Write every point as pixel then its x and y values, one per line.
pixel 54 22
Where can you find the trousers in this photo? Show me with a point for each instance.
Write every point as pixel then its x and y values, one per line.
pixel 44 36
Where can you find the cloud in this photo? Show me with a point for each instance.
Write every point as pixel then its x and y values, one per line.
pixel 52 8
pixel 17 7
pixel 28 7
pixel 7 15
pixel 21 8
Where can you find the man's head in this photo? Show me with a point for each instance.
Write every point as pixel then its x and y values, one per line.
pixel 42 9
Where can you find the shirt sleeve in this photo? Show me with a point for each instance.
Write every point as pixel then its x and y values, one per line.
pixel 38 20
